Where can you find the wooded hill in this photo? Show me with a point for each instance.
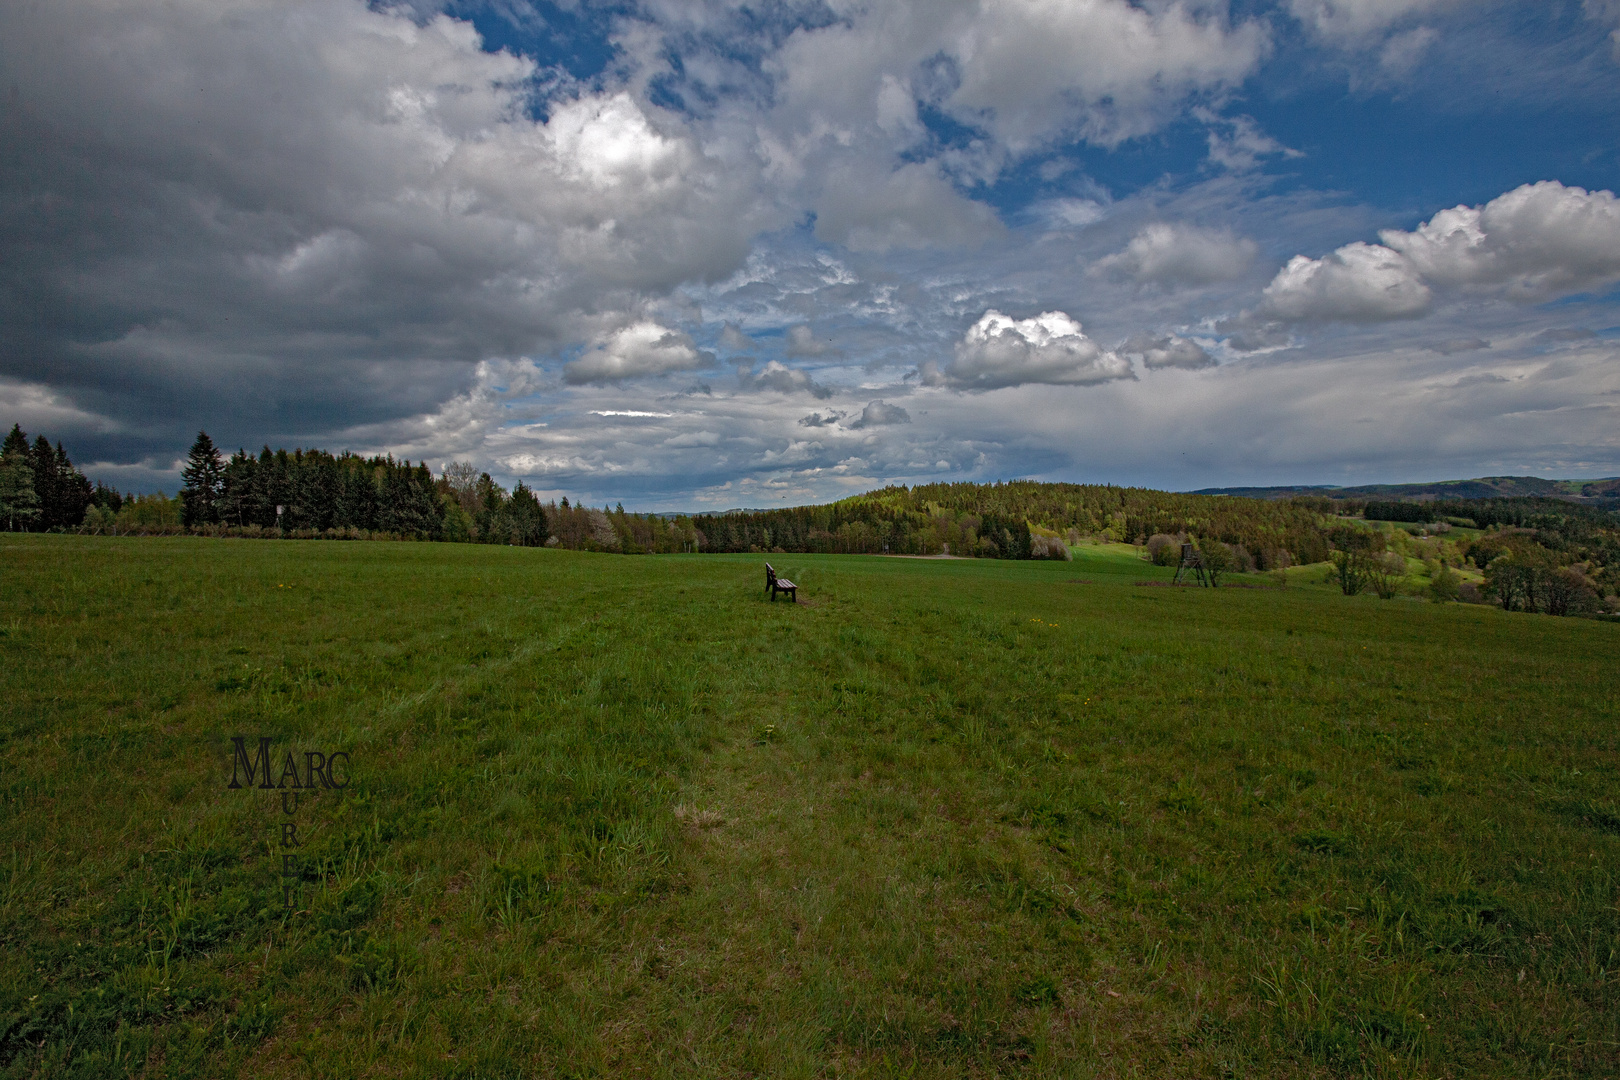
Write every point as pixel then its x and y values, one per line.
pixel 1484 487
pixel 1002 520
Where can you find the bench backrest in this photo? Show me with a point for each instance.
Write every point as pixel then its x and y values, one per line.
pixel 770 574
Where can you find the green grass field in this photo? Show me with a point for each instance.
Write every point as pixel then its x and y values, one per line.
pixel 621 816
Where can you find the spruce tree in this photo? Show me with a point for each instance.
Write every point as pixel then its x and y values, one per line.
pixel 42 459
pixel 236 488
pixel 72 493
pixel 204 475
pixel 19 504
pixel 528 519
pixel 16 442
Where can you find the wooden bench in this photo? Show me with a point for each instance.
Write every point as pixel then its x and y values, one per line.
pixel 779 584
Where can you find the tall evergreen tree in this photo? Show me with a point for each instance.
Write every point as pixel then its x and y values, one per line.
pixel 357 496
pixel 63 491
pixel 73 493
pixel 19 503
pixel 16 442
pixel 528 519
pixel 236 489
pixel 42 459
pixel 204 475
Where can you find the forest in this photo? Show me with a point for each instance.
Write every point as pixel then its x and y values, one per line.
pixel 1009 519
pixel 1538 553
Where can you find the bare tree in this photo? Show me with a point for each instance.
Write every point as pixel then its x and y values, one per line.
pixel 462 480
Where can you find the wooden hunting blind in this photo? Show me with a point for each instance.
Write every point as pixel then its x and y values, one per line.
pixel 1192 564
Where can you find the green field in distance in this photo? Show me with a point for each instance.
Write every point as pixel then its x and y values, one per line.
pixel 610 815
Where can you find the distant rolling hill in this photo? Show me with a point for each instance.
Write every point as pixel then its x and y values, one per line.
pixel 1484 487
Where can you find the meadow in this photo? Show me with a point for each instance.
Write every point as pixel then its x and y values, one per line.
pixel 621 816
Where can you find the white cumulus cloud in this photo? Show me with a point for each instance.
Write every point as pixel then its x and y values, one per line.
pixel 1536 241
pixel 1532 243
pixel 1357 283
pixel 1000 351
pixel 643 348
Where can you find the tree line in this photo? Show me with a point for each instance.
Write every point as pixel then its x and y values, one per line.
pixel 40 489
pixel 1537 554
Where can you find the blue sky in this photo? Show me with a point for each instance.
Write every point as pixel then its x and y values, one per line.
pixel 708 254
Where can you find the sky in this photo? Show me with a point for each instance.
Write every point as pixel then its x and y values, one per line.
pixel 707 254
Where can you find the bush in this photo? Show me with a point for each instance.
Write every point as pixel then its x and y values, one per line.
pixel 1444 585
pixel 1164 549
pixel 1048 547
pixel 1218 560
pixel 1357 558
pixel 1274 558
pixel 1385 573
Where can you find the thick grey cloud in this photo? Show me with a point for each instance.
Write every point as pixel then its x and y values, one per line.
pixel 310 210
pixel 733 339
pixel 1168 254
pixel 779 377
pixel 1167 351
pixel 881 414
pixel 1452 346
pixel 821 420
pixel 802 341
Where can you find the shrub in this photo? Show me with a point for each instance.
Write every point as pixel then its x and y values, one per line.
pixel 1164 549
pixel 1355 551
pixel 1048 547
pixel 99 521
pixel 1218 559
pixel 1444 585
pixel 1274 558
pixel 1385 573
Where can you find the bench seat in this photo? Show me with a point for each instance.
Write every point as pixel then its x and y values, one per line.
pixel 779 584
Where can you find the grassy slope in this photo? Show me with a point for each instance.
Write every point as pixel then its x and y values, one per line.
pixel 617 815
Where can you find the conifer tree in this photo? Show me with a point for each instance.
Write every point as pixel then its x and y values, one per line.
pixel 16 442
pixel 42 459
pixel 73 492
pixel 19 503
pixel 204 475
pixel 528 519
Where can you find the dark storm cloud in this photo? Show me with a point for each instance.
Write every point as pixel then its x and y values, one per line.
pixel 290 218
